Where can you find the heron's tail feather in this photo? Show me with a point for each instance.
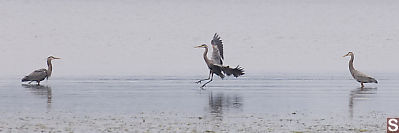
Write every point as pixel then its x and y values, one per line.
pixel 26 78
pixel 236 72
pixel 375 81
pixel 371 80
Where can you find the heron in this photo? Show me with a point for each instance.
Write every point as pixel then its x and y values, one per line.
pixel 215 64
pixel 357 75
pixel 41 74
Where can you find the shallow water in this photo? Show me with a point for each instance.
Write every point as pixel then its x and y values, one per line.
pixel 334 97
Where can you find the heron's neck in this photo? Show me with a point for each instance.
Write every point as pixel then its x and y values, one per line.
pixel 50 67
pixel 205 55
pixel 351 63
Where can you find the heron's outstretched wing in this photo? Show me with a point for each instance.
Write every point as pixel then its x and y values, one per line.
pixel 236 72
pixel 361 77
pixel 37 75
pixel 217 45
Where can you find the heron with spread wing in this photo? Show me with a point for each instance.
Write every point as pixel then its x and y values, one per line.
pixel 359 76
pixel 215 64
pixel 40 74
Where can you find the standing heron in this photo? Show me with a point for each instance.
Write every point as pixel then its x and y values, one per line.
pixel 359 76
pixel 215 65
pixel 41 74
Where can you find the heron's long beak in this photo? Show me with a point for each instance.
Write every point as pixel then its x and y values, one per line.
pixel 345 55
pixel 56 58
pixel 198 46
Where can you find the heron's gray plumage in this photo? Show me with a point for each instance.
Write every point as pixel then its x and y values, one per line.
pixel 217 47
pixel 357 75
pixel 215 65
pixel 221 70
pixel 37 75
pixel 363 78
pixel 41 74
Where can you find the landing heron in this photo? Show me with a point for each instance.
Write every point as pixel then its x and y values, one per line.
pixel 215 65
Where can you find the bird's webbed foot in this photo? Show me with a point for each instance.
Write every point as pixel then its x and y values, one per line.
pixel 198 82
pixel 202 87
pixel 206 83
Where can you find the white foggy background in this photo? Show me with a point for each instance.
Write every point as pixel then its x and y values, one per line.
pixel 156 37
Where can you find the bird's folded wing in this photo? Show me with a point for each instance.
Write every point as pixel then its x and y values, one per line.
pixel 362 77
pixel 38 73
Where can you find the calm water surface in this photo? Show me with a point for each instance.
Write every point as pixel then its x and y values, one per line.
pixel 312 95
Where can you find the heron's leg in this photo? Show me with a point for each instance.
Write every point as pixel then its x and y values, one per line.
pixel 208 81
pixel 362 85
pixel 38 82
pixel 210 72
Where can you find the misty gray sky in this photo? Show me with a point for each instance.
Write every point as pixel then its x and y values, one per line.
pixel 156 37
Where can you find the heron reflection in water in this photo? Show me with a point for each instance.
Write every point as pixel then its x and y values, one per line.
pixel 359 94
pixel 40 90
pixel 220 102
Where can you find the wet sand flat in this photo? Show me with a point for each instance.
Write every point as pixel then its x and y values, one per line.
pixel 253 103
pixel 177 122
